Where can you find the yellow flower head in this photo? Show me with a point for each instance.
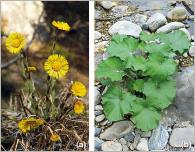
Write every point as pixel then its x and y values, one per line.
pixel 56 66
pixel 31 69
pixel 55 137
pixel 61 25
pixel 78 89
pixel 79 107
pixel 15 42
pixel 27 124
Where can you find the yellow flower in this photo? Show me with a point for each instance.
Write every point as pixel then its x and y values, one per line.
pixel 79 107
pixel 78 89
pixel 61 25
pixel 15 42
pixel 56 66
pixel 31 69
pixel 55 137
pixel 27 124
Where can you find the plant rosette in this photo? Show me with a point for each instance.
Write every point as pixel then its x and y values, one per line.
pixel 139 76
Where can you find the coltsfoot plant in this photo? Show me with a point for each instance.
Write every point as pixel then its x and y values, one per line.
pixel 139 76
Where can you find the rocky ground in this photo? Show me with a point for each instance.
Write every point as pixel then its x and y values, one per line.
pixel 177 123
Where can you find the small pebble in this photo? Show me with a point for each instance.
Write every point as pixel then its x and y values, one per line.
pixel 122 141
pixel 185 55
pixel 99 108
pixel 100 118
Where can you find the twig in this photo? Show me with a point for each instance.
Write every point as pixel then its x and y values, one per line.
pixel 188 8
pixel 77 121
pixel 22 104
pixel 5 65
pixel 3 148
pixel 15 145
pixel 131 13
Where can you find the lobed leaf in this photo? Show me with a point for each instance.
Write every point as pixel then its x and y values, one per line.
pixel 112 68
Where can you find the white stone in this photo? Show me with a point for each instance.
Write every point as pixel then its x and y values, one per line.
pixel 125 148
pixel 99 108
pixel 155 21
pixel 111 146
pixel 20 16
pixel 126 28
pixel 100 118
pixel 97 35
pixel 106 4
pixel 123 141
pixel 185 55
pixel 191 51
pixel 182 137
pixel 170 27
pixel 143 145
pixel 177 14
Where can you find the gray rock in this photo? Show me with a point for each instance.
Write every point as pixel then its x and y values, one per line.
pixel 192 37
pixel 155 21
pixel 100 118
pixel 97 35
pixel 126 28
pixel 129 137
pixel 140 19
pixel 117 130
pixel 159 138
pixel 184 101
pixel 97 95
pixel 120 10
pixel 185 54
pixel 99 108
pixel 97 14
pixel 125 148
pixel 122 141
pixel 106 4
pixel 136 140
pixel 191 51
pixel 183 124
pixel 177 14
pixel 98 144
pixel 170 27
pixel 146 134
pixel 111 146
pixel 104 123
pixel 182 137
pixel 186 32
pixel 97 113
pixel 97 131
pixel 142 145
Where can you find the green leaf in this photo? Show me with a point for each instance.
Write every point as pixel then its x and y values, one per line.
pixel 112 68
pixel 116 103
pixel 162 48
pixel 146 37
pixel 159 67
pixel 144 117
pixel 160 95
pixel 136 62
pixel 118 38
pixel 122 47
pixel 138 85
pixel 177 40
